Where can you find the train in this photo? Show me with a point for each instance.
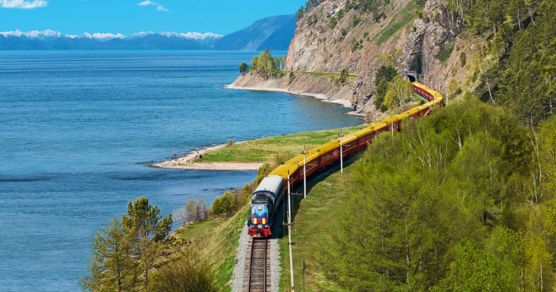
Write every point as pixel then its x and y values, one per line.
pixel 267 197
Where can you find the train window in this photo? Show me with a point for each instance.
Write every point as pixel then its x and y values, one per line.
pixel 260 199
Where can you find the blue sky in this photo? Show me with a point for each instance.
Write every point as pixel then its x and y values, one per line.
pixel 129 16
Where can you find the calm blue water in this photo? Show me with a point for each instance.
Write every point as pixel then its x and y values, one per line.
pixel 76 128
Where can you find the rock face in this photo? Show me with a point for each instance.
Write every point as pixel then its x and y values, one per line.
pixel 424 40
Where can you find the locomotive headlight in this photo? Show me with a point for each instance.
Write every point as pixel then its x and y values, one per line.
pixel 264 220
pixel 254 220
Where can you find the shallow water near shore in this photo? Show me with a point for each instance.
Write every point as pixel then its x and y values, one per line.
pixel 77 127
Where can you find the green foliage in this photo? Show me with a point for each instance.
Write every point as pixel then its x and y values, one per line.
pixel 267 66
pixel 398 93
pixel 332 22
pixel 446 52
pixel 525 86
pixel 375 7
pixel 223 205
pixel 243 68
pixel 384 75
pixel 344 76
pixel 343 32
pixel 308 7
pixel 189 273
pixel 356 45
pixel 517 64
pixel 475 269
pixel 125 254
pixel 355 21
pixel 462 59
pixel 404 17
pixel 443 182
pixel 112 266
pixel 143 221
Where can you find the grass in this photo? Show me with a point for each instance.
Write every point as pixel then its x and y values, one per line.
pixel 217 239
pixel 266 149
pixel 406 15
pixel 314 226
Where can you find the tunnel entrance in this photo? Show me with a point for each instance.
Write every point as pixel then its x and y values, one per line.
pixel 411 77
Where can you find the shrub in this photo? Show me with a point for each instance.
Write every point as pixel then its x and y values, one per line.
pixel 223 205
pixel 462 59
pixel 446 52
pixel 243 68
pixel 332 22
pixel 343 78
pixel 189 273
pixel 192 211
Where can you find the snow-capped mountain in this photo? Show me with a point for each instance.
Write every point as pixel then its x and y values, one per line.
pixel 269 33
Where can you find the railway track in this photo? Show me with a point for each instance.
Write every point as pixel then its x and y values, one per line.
pixel 258 266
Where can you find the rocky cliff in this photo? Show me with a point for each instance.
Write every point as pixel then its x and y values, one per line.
pixel 418 38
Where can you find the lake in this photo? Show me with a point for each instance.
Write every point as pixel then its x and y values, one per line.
pixel 76 128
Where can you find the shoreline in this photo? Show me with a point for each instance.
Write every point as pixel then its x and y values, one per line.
pixel 319 96
pixel 187 161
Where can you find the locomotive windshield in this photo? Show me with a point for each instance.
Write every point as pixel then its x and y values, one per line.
pixel 260 198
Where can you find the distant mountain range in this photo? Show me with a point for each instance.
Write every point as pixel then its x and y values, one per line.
pixel 273 33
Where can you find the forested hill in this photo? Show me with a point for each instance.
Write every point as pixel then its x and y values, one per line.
pixel 500 50
pixel 462 200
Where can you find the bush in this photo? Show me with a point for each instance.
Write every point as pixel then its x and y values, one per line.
pixel 267 66
pixel 332 22
pixel 462 59
pixel 446 52
pixel 192 211
pixel 223 205
pixel 243 68
pixel 343 78
pixel 189 273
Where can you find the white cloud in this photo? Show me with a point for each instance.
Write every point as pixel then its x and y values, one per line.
pixel 158 6
pixel 23 4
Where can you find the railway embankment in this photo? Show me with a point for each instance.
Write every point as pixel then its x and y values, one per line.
pixel 223 240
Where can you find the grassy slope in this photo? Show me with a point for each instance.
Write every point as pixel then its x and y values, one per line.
pixel 404 17
pixel 266 149
pixel 313 227
pixel 216 240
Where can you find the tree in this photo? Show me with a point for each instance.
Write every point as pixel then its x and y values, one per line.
pixel 112 266
pixel 144 225
pixel 383 76
pixel 243 68
pixel 265 65
pixel 398 92
pixel 442 181
pixel 475 269
pixel 343 78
